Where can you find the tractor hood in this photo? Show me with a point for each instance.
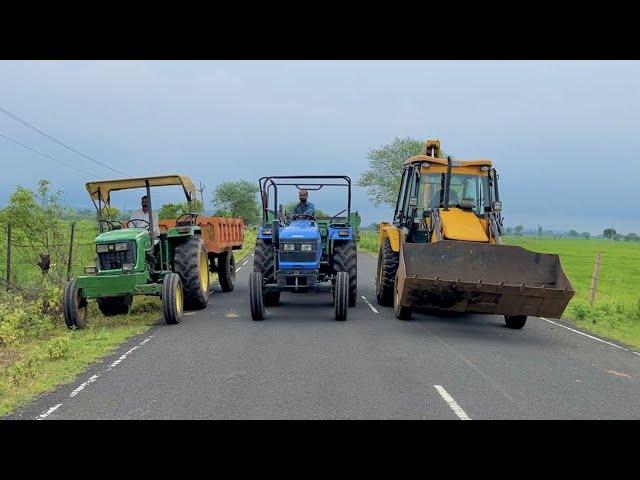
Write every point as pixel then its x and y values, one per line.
pixel 122 235
pixel 300 229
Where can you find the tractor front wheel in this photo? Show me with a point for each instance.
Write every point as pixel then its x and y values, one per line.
pixel 402 313
pixel 256 298
pixel 115 305
pixel 192 264
pixel 74 307
pixel 341 296
pixel 388 261
pixel 227 270
pixel 515 321
pixel 172 298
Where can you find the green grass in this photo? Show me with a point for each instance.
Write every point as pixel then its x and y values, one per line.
pixel 616 311
pixel 48 354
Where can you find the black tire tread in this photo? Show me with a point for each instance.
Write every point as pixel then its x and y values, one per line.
pixel 385 284
pixel 345 259
pixel 263 260
pixel 186 264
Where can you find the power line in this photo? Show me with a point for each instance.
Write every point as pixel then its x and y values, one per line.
pixel 36 129
pixel 47 156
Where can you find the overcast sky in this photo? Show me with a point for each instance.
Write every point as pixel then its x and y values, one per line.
pixel 563 135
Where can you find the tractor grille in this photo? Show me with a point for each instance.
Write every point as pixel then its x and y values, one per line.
pixel 114 260
pixel 297 255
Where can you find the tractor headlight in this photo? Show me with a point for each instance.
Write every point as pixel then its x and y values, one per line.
pixel 289 247
pixel 497 206
pixel 306 247
pixel 343 233
pixel 127 267
pixel 121 247
pixel 90 270
pixel 102 248
pixel 266 231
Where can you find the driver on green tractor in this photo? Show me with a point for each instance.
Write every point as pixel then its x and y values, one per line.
pixel 143 214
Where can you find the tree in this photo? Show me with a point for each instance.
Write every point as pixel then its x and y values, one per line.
pixel 586 235
pixel 508 231
pixel 609 233
pixel 237 199
pixel 110 213
pixel 382 179
pixel 519 229
pixel 632 237
pixel 573 234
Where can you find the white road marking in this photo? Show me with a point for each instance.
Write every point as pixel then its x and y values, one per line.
pixel 188 314
pixel 48 412
pixel 586 335
pixel 245 262
pixel 457 409
pixel 369 303
pixel 238 269
pixel 93 378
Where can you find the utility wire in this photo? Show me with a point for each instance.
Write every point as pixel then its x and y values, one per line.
pixel 36 129
pixel 47 156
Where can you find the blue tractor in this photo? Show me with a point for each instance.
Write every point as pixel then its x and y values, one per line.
pixel 303 253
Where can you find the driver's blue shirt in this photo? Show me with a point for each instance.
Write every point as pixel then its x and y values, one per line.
pixel 304 209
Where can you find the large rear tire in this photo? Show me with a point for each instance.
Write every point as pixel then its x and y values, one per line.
pixel 115 305
pixel 388 261
pixel 341 296
pixel 345 259
pixel 227 270
pixel 74 307
pixel 256 298
pixel 515 321
pixel 263 260
pixel 192 264
pixel 172 298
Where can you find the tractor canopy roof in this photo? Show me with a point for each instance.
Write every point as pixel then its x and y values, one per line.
pixel 102 189
pixel 443 161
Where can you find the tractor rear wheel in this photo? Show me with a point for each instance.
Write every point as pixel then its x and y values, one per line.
pixel 345 259
pixel 388 261
pixel 341 296
pixel 227 270
pixel 172 298
pixel 272 299
pixel 402 313
pixel 263 260
pixel 74 307
pixel 256 298
pixel 115 305
pixel 192 264
pixel 515 321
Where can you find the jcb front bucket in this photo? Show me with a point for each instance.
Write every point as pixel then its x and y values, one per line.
pixel 484 278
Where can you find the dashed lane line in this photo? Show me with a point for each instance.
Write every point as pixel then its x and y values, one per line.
pixel 93 378
pixel 369 304
pixel 457 409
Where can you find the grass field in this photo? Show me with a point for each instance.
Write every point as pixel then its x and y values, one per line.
pixel 38 352
pixel 616 311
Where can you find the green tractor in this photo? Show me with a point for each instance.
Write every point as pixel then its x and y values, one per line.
pixel 132 258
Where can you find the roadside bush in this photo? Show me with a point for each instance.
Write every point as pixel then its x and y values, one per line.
pixel 58 348
pixel 22 371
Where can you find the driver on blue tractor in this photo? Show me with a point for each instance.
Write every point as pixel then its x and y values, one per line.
pixel 304 207
pixel 143 214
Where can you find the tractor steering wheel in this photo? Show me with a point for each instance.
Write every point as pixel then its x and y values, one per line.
pixel 303 216
pixel 112 223
pixel 138 220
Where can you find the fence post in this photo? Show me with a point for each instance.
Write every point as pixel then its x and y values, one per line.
pixel 594 280
pixel 73 229
pixel 8 255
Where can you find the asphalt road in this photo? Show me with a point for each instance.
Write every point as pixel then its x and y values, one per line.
pixel 301 364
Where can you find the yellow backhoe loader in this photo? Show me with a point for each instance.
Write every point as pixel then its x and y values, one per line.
pixel 443 250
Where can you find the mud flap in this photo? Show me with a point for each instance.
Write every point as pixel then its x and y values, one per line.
pixel 463 276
